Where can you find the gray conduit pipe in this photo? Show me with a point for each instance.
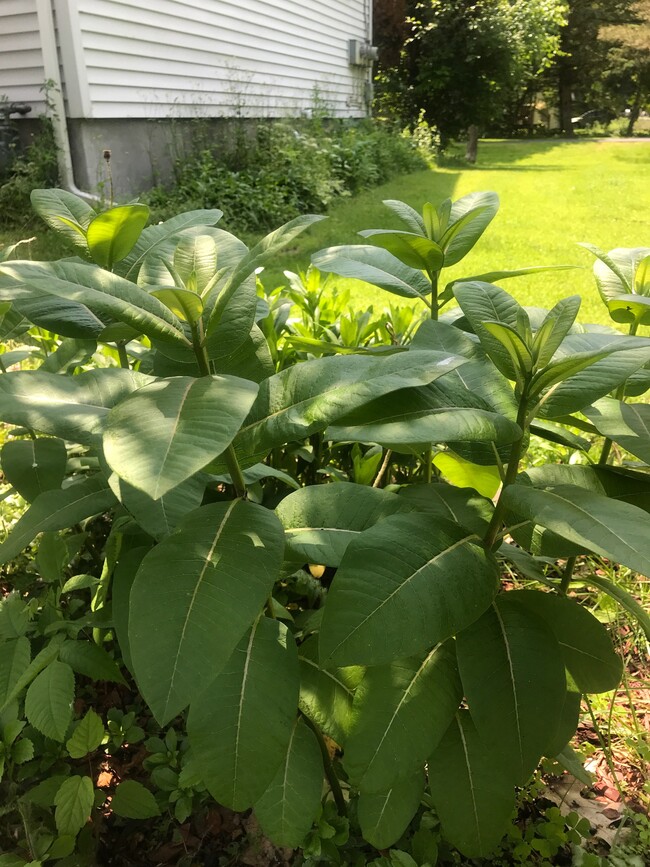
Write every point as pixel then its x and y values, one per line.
pixel 57 111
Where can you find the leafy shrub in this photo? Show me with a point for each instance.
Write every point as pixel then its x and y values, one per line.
pixel 35 167
pixel 287 170
pixel 294 530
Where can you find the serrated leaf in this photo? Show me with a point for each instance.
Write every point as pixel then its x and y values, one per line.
pixel 15 657
pixel 44 793
pixel 438 579
pixel 132 800
pixel 512 671
pixel 58 510
pixel 112 234
pixel 74 802
pixel 384 816
pixel 206 583
pixel 400 712
pixel 288 807
pixel 240 727
pixel 22 751
pixel 35 465
pixel 373 265
pixel 321 520
pixel 89 659
pixel 48 703
pixel 14 616
pixel 587 649
pixel 87 736
pixel 167 431
pixel 473 796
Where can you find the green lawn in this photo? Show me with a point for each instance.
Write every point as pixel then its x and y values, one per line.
pixel 553 195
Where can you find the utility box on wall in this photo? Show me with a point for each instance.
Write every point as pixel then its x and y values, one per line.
pixel 362 53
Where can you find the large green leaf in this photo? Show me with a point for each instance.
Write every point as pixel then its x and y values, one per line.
pixel 588 651
pixel 373 265
pixel 555 327
pixel 195 262
pixel 289 806
pixel 48 702
pixel 384 816
pixel 64 212
pixel 195 595
pixel 413 250
pixel 611 528
pixel 14 660
pixel 71 407
pixel 414 416
pixel 400 713
pixel 614 271
pixel 434 334
pixel 407 215
pixel 404 585
pixel 628 424
pixel 74 802
pixel 567 721
pixel 630 309
pixel 106 295
pixel 305 398
pixel 154 238
pixel 34 466
pixel 159 517
pixel 121 583
pixel 112 234
pixel 469 218
pixel 167 431
pixel 133 801
pixel 512 671
pixel 326 694
pixel 240 728
pixel 472 794
pixel 58 510
pixel 622 356
pixel 461 505
pixel 321 520
pixel 87 736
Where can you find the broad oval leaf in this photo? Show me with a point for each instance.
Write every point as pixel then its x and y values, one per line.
pixel 74 802
pixel 87 735
pixel 512 671
pixel 287 809
pixel 112 234
pixel 473 796
pixel 48 702
pixel 168 430
pixel 326 694
pixel 240 727
pixel 58 510
pixel 195 595
pixel 628 424
pixel 373 265
pixel 321 520
pixel 413 250
pixel 400 712
pixel 14 661
pixel 469 218
pixel 587 649
pixel 409 569
pixel 71 407
pixel 133 801
pixel 305 398
pixel 64 212
pixel 629 309
pixel 34 466
pixel 103 293
pixel 611 528
pixel 384 816
pixel 183 303
pixel 462 505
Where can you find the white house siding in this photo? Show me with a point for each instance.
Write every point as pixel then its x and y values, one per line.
pixel 21 60
pixel 215 58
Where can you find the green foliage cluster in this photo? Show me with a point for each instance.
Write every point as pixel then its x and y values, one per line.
pixel 286 170
pixel 289 532
pixel 33 168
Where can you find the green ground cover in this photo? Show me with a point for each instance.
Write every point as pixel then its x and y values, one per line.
pixel 554 194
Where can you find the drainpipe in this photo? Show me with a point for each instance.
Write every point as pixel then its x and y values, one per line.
pixel 55 98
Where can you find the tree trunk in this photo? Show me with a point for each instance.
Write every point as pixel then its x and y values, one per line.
pixel 635 111
pixel 472 143
pixel 565 97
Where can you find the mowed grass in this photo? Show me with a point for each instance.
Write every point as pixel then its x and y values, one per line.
pixel 553 194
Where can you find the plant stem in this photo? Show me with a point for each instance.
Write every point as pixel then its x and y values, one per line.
pixel 330 773
pixel 567 575
pixel 428 464
pixel 433 276
pixel 516 453
pixel 121 352
pixel 230 455
pixel 383 468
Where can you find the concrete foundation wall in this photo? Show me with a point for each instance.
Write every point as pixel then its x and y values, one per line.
pixel 143 152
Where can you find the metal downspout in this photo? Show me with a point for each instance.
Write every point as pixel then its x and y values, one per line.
pixel 56 107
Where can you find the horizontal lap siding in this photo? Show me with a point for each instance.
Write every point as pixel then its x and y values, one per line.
pixel 188 58
pixel 21 61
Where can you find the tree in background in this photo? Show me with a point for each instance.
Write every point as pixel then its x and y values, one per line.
pixel 628 74
pixel 465 65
